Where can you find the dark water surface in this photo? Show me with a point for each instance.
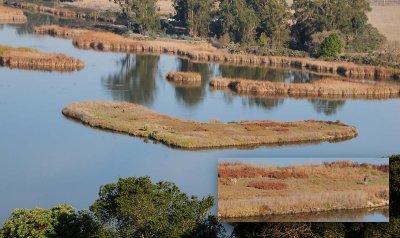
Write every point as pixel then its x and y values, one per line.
pixel 46 159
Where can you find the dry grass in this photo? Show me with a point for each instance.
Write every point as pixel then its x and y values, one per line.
pixel 26 58
pixel 192 79
pixel 323 88
pixel 205 52
pixel 137 120
pixel 11 15
pixel 94 5
pixel 323 187
pixel 386 20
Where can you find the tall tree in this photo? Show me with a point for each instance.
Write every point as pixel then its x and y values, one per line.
pixel 195 15
pixel 140 14
pixel 311 16
pixel 274 18
pixel 239 20
pixel 140 208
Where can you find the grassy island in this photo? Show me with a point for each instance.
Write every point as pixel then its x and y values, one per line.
pixel 137 120
pixel 27 58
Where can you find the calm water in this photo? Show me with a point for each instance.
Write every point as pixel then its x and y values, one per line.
pixel 46 159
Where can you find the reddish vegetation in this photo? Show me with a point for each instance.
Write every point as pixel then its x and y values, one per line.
pixel 350 164
pixel 207 53
pixel 267 185
pixel 319 88
pixel 240 170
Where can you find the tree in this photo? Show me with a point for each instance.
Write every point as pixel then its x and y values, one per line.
pixel 195 15
pixel 139 208
pixel 59 221
pixel 275 17
pixel 331 47
pixel 140 14
pixel 311 16
pixel 239 20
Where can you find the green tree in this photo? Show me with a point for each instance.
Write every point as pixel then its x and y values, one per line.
pixel 275 17
pixel 239 20
pixel 59 221
pixel 331 47
pixel 312 16
pixel 141 15
pixel 140 208
pixel 195 15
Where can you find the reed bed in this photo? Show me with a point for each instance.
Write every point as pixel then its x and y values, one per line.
pixel 184 77
pixel 137 120
pixel 26 58
pixel 323 88
pixel 320 187
pixel 205 52
pixel 11 15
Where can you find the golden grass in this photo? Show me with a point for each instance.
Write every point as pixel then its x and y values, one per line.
pixel 136 120
pixel 11 15
pixel 324 187
pixel 323 88
pixel 386 20
pixel 205 52
pixel 27 58
pixel 190 79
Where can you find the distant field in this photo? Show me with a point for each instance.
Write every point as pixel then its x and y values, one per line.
pixel 387 20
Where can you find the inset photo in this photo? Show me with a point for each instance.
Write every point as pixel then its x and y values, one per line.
pixel 303 190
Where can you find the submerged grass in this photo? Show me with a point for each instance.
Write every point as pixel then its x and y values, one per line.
pixel 137 120
pixel 323 187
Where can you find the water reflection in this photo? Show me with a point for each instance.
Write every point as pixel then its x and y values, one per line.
pixel 327 107
pixel 354 215
pixel 135 80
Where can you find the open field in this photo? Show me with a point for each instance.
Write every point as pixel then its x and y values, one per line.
pixel 386 20
pixel 324 88
pixel 246 190
pixel 137 120
pixel 205 52
pixel 11 15
pixel 26 58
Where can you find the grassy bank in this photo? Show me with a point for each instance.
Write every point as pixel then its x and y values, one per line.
pixel 11 15
pixel 27 58
pixel 324 88
pixel 137 120
pixel 249 190
pixel 205 52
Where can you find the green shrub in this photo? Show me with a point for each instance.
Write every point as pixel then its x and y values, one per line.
pixel 331 47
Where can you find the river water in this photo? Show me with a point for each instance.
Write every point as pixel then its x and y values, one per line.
pixel 46 159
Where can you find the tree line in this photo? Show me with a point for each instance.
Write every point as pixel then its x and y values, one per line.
pixel 265 26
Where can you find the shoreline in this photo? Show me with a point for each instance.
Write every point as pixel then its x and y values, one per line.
pixel 204 52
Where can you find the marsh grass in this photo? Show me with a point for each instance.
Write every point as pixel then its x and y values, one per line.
pixel 305 188
pixel 137 120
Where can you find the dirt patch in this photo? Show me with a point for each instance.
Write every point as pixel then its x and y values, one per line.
pixel 386 20
pixel 11 15
pixel 137 120
pixel 205 52
pixel 324 88
pixel 26 58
